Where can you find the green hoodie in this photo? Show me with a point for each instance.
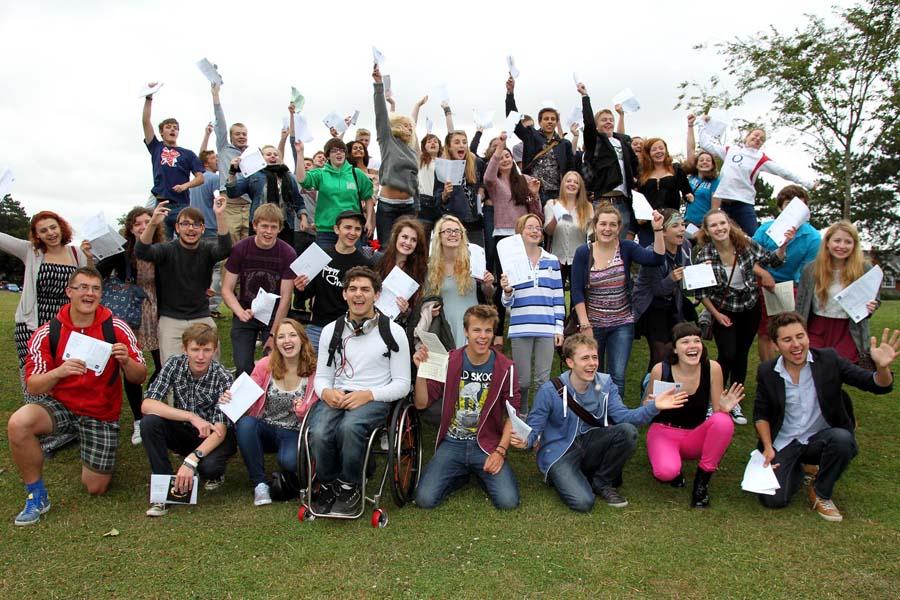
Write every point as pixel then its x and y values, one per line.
pixel 337 192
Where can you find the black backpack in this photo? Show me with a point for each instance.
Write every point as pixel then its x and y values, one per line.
pixel 384 329
pixel 109 336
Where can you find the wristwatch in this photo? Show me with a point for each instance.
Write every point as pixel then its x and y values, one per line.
pixel 200 454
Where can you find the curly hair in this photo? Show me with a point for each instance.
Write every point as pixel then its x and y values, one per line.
pixel 65 229
pixel 646 166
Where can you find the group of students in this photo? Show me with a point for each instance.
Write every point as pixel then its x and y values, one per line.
pixel 329 353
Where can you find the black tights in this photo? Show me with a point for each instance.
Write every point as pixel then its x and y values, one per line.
pixel 135 391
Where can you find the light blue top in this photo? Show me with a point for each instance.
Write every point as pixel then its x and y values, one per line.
pixel 802 414
pixel 202 199
pixel 455 307
pixel 801 251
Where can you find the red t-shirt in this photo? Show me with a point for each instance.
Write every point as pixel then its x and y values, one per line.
pixel 90 395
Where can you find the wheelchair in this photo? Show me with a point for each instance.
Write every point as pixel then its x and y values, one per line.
pixel 402 465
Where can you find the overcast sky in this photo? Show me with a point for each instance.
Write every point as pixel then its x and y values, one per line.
pixel 71 73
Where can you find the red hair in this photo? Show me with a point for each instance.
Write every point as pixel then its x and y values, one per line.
pixel 64 228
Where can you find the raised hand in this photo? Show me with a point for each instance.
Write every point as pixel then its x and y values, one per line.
pixel 376 73
pixel 885 353
pixel 510 85
pixel 160 213
pixel 731 397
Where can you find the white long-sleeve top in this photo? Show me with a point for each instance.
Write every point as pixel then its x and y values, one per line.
pixel 740 167
pixel 364 366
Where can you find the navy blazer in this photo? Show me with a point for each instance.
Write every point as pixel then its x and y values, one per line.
pixel 533 141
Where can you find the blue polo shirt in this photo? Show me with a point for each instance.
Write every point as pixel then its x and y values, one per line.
pixel 801 251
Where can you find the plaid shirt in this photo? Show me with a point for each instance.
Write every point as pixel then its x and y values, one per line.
pixel 199 395
pixel 722 295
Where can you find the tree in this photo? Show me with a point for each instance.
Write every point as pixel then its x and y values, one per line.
pixel 14 221
pixel 837 86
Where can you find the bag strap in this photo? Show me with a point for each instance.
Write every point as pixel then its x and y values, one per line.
pixel 574 405
pixel 384 329
pixel 55 330
pixel 358 192
pixel 548 148
pixel 335 343
pixel 109 336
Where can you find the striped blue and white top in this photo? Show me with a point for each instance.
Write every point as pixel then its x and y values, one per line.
pixel 537 308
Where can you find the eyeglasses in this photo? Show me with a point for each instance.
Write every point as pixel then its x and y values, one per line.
pixel 532 228
pixel 452 232
pixel 84 288
pixel 189 225
pixel 337 151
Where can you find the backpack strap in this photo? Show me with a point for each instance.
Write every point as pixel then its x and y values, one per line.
pixel 335 344
pixel 384 329
pixel 55 331
pixel 109 336
pixel 574 405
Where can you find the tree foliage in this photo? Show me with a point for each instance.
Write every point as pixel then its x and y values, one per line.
pixel 837 86
pixel 13 221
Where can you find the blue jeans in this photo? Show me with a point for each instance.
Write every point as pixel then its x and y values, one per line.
pixel 314 332
pixel 628 224
pixel 256 437
pixel 453 462
pixel 615 344
pixel 338 439
pixel 386 215
pixel 594 461
pixel 743 214
pixel 243 343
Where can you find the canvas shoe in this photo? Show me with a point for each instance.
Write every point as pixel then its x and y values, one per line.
pixel 34 508
pixel 738 416
pixel 157 509
pixel 612 497
pixel 136 435
pixel 261 495
pixel 214 484
pixel 826 509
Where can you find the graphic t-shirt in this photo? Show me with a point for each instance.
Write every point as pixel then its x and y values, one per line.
pixel 259 268
pixel 327 287
pixel 620 155
pixel 473 390
pixel 172 165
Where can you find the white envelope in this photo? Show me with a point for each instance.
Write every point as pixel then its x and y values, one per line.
pixel 628 101
pixel 244 392
pixel 252 161
pixel 642 208
pixel 263 306
pixel 311 262
pixel 511 67
pixel 302 131
pixel 336 121
pixel 210 71
pixel 699 276
pixel 477 261
pixel 149 90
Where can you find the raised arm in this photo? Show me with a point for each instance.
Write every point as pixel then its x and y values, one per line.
pixel 707 142
pixel 145 118
pixel 382 119
pixel 587 115
pixel 691 153
pixel 620 122
pixel 448 115
pixel 205 143
pixel 416 107
pixel 221 127
pixel 300 167
pixel 774 168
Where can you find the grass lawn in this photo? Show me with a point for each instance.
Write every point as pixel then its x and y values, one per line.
pixel 657 546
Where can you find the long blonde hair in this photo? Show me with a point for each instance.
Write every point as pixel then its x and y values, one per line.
pixel 398 132
pixel 471 175
pixel 583 206
pixel 461 269
pixel 823 268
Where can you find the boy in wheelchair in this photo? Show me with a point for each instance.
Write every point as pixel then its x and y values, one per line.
pixel 363 368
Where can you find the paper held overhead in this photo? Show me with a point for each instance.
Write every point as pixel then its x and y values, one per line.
pixel 252 161
pixel 297 99
pixel 379 59
pixel 795 214
pixel 511 67
pixel 210 71
pixel 576 78
pixel 575 116
pixel 6 180
pixel 150 89
pixel 386 80
pixel 302 131
pixel 441 92
pixel 715 128
pixel 429 125
pixel 512 119
pixel 628 101
pixel 335 121
pixel 483 119
pixel 354 118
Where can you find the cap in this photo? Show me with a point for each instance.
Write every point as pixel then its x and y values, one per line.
pixel 351 214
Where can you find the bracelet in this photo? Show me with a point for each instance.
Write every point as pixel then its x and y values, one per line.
pixel 447 111
pixel 498 449
pixel 193 466
pixel 584 326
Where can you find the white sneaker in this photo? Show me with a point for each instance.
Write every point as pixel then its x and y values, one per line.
pixel 261 495
pixel 136 435
pixel 214 484
pixel 157 509
pixel 738 416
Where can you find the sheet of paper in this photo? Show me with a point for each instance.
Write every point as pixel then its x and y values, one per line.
pixel 263 306
pixel 311 262
pixel 642 208
pixel 336 121
pixel 94 227
pixel 244 392
pixel 441 93
pixel 781 299
pixel 429 125
pixel 149 90
pixel 396 285
pixel 575 116
pixel 285 123
pixel 560 213
pixel 483 119
pixel 512 119
pixel 716 128
pixel 297 99
pixel 627 100
pixel 453 171
pixel 795 214
pixel 302 131
pixel 477 261
pixel 252 161
pixel 519 427
pixel 435 368
pixel 513 257
pixel 575 78
pixel 757 478
pixel 354 118
pixel 511 67
pixel 6 180
pixel 95 353
pixel 108 244
pixel 162 489
pixel 661 387
pixel 379 59
pixel 690 231
pixel 210 71
pixel 854 297
pixel 699 276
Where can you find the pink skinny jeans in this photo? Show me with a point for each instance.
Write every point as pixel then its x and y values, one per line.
pixel 667 446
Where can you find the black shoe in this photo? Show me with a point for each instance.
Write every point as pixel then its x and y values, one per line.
pixel 348 499
pixel 325 498
pixel 678 482
pixel 700 495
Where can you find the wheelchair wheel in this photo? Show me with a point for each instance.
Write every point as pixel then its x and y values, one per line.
pixel 379 518
pixel 405 460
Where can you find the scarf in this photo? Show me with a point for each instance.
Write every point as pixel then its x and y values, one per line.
pixel 273 173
